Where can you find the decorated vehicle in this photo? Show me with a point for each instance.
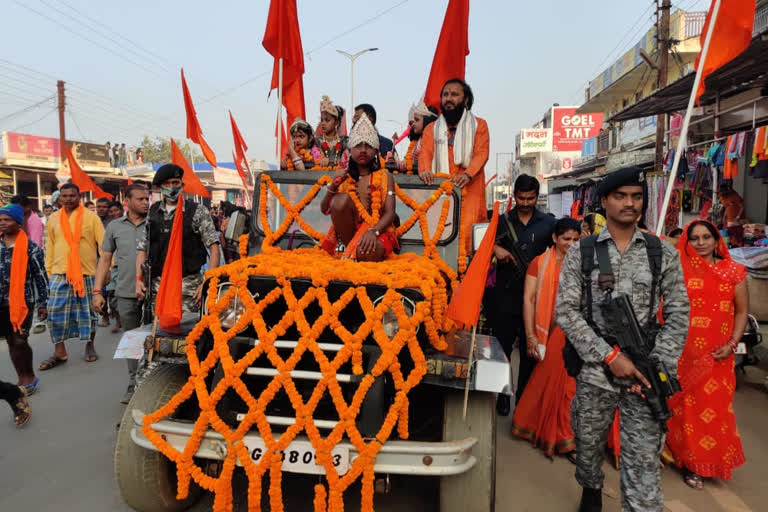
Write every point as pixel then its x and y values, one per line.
pixel 304 363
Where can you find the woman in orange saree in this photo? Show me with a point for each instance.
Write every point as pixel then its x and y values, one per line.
pixel 703 437
pixel 543 415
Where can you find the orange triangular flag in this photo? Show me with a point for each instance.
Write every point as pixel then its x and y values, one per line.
pixel 451 52
pixel 130 181
pixel 168 300
pixel 82 180
pixel 464 308
pixel 192 184
pixel 240 146
pixel 731 36
pixel 240 171
pixel 194 132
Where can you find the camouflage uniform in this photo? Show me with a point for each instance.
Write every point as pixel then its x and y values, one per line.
pixel 202 223
pixel 596 399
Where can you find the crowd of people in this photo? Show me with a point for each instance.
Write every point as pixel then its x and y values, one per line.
pixel 81 260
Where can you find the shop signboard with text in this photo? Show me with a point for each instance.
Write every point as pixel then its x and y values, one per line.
pixel 570 130
pixel 36 151
pixel 535 140
pixel 23 149
pixel 90 155
pixel 638 129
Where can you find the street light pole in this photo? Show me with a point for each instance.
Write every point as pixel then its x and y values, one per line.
pixel 352 57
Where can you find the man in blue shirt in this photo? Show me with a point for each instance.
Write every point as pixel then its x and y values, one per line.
pixel 504 302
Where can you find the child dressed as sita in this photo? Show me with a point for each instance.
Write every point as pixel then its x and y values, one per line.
pixel 302 153
pixel 361 201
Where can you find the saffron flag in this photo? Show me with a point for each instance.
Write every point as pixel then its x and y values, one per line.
pixel 192 183
pixel 731 36
pixel 451 52
pixel 82 180
pixel 130 181
pixel 168 300
pixel 194 132
pixel 464 308
pixel 240 172
pixel 240 147
pixel 282 39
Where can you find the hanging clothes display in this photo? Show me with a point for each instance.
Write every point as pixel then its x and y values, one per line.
pixel 759 163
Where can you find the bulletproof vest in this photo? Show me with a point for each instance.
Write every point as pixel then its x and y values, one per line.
pixel 194 254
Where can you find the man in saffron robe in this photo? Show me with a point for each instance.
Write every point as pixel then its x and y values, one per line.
pixel 457 144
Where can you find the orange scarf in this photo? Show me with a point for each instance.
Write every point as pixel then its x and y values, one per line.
pixel 17 302
pixel 546 293
pixel 74 270
pixel 169 296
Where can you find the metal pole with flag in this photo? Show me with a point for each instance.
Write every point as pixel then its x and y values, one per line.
pixel 464 308
pixel 728 29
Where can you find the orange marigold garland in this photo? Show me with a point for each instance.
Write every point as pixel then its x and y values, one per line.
pixel 306 157
pixel 425 273
pixel 409 168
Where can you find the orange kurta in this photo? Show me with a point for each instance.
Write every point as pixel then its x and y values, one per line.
pixel 473 207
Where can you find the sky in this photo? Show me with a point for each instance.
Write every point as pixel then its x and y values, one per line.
pixel 121 62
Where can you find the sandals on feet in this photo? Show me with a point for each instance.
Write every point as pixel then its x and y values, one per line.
pixel 31 388
pixel 51 362
pixel 21 409
pixel 90 355
pixel 693 480
pixel 571 456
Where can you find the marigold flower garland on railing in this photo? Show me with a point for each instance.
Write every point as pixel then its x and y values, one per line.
pixel 425 273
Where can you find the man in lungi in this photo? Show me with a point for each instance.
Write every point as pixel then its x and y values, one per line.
pixel 71 254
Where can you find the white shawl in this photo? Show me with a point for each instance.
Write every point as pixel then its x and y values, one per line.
pixel 463 142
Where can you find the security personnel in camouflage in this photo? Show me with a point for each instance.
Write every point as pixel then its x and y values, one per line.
pixel 200 239
pixel 597 396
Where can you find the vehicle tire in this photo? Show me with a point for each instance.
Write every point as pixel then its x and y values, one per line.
pixel 475 490
pixel 146 478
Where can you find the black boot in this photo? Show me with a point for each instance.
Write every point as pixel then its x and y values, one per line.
pixel 591 500
pixel 503 404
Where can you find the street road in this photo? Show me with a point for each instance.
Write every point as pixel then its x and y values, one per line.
pixel 62 460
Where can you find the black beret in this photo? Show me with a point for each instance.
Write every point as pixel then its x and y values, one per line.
pixel 166 172
pixel 626 176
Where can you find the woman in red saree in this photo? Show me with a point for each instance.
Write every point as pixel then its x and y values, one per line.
pixel 703 437
pixel 543 415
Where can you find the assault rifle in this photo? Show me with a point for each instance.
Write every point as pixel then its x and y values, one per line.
pixel 518 250
pixel 624 330
pixel 146 304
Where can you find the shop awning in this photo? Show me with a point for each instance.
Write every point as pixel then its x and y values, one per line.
pixel 747 71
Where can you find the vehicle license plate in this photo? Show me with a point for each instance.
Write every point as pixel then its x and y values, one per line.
pixel 299 456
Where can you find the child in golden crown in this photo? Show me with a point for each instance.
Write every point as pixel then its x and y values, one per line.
pixel 361 201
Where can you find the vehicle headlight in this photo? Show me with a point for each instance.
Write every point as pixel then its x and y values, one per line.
pixel 234 310
pixel 389 320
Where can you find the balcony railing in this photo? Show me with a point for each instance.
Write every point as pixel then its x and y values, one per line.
pixel 761 19
pixel 694 23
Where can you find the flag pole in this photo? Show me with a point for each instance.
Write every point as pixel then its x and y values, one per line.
pixel 687 119
pixel 469 372
pixel 279 111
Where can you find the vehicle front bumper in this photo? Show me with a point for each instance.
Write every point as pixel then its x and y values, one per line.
pixel 395 457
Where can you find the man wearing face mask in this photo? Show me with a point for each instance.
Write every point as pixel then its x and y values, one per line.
pixel 457 144
pixel 199 237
